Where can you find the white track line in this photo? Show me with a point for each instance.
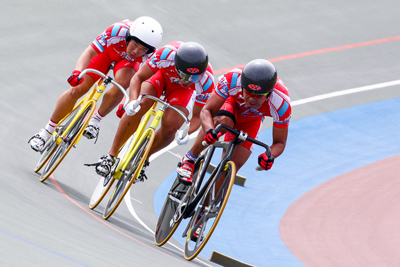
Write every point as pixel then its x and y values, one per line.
pixel 344 92
pixel 294 103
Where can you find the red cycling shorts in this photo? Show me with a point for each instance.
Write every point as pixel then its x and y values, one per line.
pixel 249 125
pixel 102 62
pixel 175 94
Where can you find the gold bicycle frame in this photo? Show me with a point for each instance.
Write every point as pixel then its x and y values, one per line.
pixel 139 135
pixel 91 98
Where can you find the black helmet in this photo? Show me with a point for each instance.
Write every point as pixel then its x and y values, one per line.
pixel 259 77
pixel 191 61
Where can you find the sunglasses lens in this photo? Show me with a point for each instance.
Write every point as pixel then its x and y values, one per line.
pixel 256 95
pixel 188 77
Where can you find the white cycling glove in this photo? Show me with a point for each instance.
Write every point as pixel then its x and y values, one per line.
pixel 133 107
pixel 182 137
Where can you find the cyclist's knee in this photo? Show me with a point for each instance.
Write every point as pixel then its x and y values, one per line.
pixel 76 92
pixel 146 104
pixel 114 93
pixel 124 76
pixel 168 131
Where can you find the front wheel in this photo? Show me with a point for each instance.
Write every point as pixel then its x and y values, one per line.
pixel 171 212
pixel 68 140
pixel 176 206
pixel 209 211
pixel 129 174
pixel 100 191
pixel 51 145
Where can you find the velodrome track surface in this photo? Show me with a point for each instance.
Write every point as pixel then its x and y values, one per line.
pixel 333 143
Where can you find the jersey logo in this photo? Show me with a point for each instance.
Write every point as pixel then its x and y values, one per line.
pixel 193 70
pixel 254 87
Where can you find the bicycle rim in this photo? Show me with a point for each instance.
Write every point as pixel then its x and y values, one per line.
pixel 68 142
pixel 212 213
pixel 103 186
pixel 46 153
pixel 129 175
pixel 170 218
pixel 51 145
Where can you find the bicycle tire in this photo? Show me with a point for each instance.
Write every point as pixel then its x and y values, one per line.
pixel 68 142
pixel 213 212
pixel 170 218
pixel 101 190
pixel 51 146
pixel 129 175
pixel 166 224
pixel 105 183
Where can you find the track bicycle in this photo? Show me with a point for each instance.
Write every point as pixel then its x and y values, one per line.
pixel 70 129
pixel 204 201
pixel 127 171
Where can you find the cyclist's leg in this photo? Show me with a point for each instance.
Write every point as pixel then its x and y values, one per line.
pixel 64 105
pixel 123 73
pixel 185 166
pixel 128 124
pixel 171 122
pixel 111 98
pixel 226 115
pixel 67 100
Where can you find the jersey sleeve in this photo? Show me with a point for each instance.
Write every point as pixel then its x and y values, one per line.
pixel 229 84
pixel 205 87
pixel 112 34
pixel 163 58
pixel 280 107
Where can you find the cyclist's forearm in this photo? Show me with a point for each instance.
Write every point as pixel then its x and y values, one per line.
pixel 134 87
pixel 206 119
pixel 279 137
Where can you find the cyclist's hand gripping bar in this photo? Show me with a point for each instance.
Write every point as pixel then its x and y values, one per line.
pixel 246 138
pixel 167 105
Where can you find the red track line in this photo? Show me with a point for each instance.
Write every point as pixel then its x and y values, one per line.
pixel 53 180
pixel 315 52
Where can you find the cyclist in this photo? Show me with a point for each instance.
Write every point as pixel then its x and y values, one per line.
pixel 127 44
pixel 177 70
pixel 241 100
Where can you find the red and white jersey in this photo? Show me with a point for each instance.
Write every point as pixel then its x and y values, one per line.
pixel 112 42
pixel 277 105
pixel 164 59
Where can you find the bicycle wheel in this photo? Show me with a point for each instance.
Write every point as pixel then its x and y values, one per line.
pixel 100 191
pixel 202 227
pixel 105 183
pixel 174 207
pixel 68 141
pixel 51 145
pixel 171 213
pixel 130 174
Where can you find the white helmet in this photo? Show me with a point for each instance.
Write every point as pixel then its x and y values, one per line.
pixel 146 31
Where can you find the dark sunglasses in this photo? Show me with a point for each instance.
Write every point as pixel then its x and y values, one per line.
pixel 256 95
pixel 188 78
